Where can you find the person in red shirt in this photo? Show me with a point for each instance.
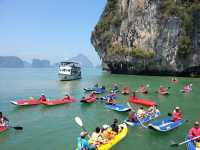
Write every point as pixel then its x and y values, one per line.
pixel 162 89
pixel 42 98
pixel 194 131
pixel 176 115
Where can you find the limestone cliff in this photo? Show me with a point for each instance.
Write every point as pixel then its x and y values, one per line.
pixel 158 37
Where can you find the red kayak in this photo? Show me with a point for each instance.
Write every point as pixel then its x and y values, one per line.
pixel 88 99
pixel 125 91
pixel 141 101
pixel 2 129
pixel 26 102
pixel 58 101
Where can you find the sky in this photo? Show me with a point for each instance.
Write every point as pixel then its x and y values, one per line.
pixel 48 29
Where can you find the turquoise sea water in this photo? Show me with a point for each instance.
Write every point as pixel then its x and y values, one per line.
pixel 50 128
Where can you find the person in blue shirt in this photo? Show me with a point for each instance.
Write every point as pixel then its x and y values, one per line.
pixel 83 143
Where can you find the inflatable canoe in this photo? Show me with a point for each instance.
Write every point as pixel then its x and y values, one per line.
pixel 88 100
pixel 97 90
pixel 118 107
pixel 26 102
pixel 2 129
pixel 143 120
pixel 113 96
pixel 164 124
pixel 58 101
pixel 191 145
pixel 163 93
pixel 141 101
pixel 121 135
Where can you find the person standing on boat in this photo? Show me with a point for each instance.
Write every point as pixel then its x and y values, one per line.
pixel 176 115
pixel 194 131
pixel 3 120
pixel 83 143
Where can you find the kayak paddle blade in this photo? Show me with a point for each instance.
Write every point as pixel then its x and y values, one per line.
pixel 78 121
pixel 18 128
pixel 174 145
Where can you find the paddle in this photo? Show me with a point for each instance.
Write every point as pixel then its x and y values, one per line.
pixel 129 105
pixel 184 142
pixel 79 122
pixel 16 128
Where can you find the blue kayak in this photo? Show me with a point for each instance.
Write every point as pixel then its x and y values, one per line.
pixel 165 124
pixel 118 107
pixel 109 96
pixel 97 90
pixel 143 120
pixel 190 145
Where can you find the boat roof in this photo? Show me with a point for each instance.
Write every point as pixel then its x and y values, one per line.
pixel 69 63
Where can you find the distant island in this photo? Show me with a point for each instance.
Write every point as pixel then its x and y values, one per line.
pixel 11 62
pixel 82 60
pixel 37 63
pixel 16 62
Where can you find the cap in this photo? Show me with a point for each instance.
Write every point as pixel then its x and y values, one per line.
pixel 83 134
pixel 177 108
pixel 196 123
pixel 105 126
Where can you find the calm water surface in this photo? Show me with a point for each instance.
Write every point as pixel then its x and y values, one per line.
pixel 53 128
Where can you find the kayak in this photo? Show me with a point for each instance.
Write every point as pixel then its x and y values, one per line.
pixel 118 107
pixel 58 101
pixel 165 124
pixel 112 96
pixel 97 90
pixel 143 120
pixel 26 102
pixel 88 99
pixel 2 129
pixel 191 145
pixel 163 93
pixel 186 91
pixel 142 101
pixel 117 138
pixel 142 91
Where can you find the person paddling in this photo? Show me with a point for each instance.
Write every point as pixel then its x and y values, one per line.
pixel 141 112
pixel 42 98
pixel 162 89
pixel 114 126
pixel 176 115
pixel 3 120
pixel 83 143
pixel 132 117
pixel 194 131
pixel 110 100
pixel 96 137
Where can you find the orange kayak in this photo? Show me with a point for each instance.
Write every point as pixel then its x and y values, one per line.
pixel 58 101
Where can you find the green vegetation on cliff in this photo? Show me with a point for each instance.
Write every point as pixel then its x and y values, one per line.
pixel 184 9
pixel 110 17
pixel 125 51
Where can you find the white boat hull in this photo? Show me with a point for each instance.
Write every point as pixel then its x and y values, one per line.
pixel 65 77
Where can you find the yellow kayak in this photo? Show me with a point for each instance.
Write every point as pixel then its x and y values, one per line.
pixel 123 132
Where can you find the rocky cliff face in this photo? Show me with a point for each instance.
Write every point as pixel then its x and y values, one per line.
pixel 11 62
pixel 149 37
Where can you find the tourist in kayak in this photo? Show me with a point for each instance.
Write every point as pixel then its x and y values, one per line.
pixel 194 131
pixel 125 90
pixel 176 115
pixel 97 137
pixel 132 117
pixel 115 88
pixel 114 126
pixel 141 113
pixel 187 87
pixel 83 143
pixel 142 89
pixel 42 98
pixel 110 101
pixel 174 80
pixel 93 94
pixel 66 97
pixel 133 95
pixel 162 89
pixel 3 120
pixel 152 110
